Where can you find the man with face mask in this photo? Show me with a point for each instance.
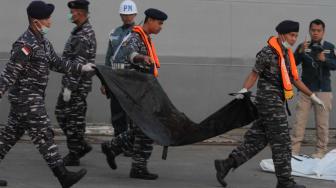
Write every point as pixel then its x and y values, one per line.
pixel 26 77
pixel 317 58
pixel 71 105
pixel 276 69
pixel 128 12
pixel 139 55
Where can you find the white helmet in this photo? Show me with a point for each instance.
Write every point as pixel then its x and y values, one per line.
pixel 128 7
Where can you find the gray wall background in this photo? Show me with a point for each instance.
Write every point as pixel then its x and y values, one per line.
pixel 207 47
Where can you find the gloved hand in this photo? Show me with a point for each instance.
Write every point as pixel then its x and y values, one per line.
pixel 240 93
pixel 88 67
pixel 66 94
pixel 317 101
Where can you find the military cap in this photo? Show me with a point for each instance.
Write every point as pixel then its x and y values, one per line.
pixel 287 26
pixel 40 10
pixel 79 4
pixel 156 14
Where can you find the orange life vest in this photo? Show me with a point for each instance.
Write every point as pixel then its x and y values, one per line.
pixel 150 48
pixel 287 85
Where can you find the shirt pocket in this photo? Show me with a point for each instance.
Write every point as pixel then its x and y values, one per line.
pixel 115 41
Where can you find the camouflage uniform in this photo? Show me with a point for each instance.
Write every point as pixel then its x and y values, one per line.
pixel 26 77
pixel 80 48
pixel 272 126
pixel 142 145
pixel 118 115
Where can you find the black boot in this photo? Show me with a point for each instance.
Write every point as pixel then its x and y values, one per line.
pixel 3 183
pixel 71 159
pixel 110 153
pixel 290 185
pixel 67 178
pixel 86 149
pixel 142 174
pixel 223 167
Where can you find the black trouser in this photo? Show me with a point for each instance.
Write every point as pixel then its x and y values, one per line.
pixel 118 116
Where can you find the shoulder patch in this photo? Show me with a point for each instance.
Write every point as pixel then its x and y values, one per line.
pixel 21 53
pixel 26 50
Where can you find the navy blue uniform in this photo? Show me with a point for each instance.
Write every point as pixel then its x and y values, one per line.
pixel 80 48
pixel 26 77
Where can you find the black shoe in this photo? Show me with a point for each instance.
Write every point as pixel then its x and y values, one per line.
pixel 86 149
pixel 3 183
pixel 67 178
pixel 142 174
pixel 290 185
pixel 110 155
pixel 223 167
pixel 71 160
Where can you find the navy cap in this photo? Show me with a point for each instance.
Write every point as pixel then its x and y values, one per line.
pixel 79 4
pixel 40 10
pixel 287 26
pixel 156 14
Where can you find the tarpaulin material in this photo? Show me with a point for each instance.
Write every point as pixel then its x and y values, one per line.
pixel 305 166
pixel 146 103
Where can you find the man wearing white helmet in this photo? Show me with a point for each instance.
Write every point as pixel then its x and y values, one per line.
pixel 128 12
pixel 139 54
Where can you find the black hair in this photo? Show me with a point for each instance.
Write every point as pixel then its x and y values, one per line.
pixel 317 22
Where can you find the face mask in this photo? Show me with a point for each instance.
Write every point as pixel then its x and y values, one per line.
pixel 69 17
pixel 44 30
pixel 286 44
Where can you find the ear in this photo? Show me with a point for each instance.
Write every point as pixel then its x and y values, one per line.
pixel 37 23
pixel 150 19
pixel 281 37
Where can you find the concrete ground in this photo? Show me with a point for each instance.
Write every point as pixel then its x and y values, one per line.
pixel 186 167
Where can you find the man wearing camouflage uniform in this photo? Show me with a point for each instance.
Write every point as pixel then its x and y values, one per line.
pixel 139 55
pixel 71 105
pixel 128 12
pixel 26 77
pixel 276 69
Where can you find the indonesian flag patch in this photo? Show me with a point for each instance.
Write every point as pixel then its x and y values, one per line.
pixel 26 50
